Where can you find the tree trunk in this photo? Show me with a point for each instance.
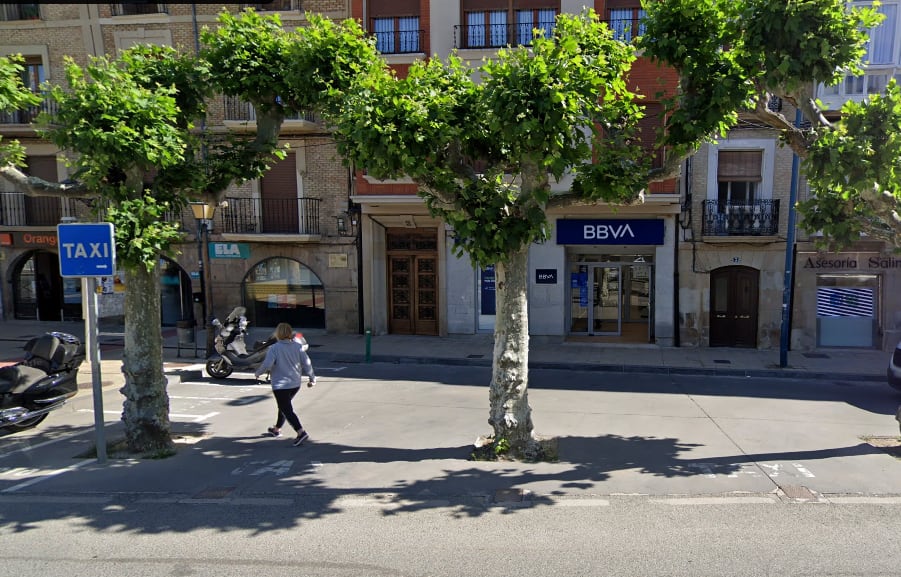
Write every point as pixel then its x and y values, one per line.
pixel 511 416
pixel 145 411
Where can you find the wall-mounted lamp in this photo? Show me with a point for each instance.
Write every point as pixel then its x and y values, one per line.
pixel 347 221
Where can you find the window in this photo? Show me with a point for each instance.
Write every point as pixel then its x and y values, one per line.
pixel 544 19
pixel 396 35
pixel 494 28
pixel 10 12
pixel 627 23
pixel 138 8
pixel 880 48
pixel 738 175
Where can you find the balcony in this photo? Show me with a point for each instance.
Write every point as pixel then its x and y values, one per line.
pixel 138 9
pixel 296 216
pixel 12 12
pixel 626 29
pixel 757 218
pixel 17 209
pixel 474 36
pixel 275 6
pixel 238 113
pixel 27 115
pixel 399 41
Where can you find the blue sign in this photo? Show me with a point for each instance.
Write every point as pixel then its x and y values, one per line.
pixel 489 306
pixel 610 231
pixel 546 276
pixel 86 249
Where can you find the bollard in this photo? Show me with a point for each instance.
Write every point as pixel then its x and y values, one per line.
pixel 368 346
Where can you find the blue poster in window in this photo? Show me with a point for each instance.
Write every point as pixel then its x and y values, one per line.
pixel 486 290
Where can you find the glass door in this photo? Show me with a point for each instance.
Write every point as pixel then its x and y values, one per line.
pixel 606 287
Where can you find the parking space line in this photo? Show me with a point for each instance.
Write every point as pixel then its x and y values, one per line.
pixel 48 475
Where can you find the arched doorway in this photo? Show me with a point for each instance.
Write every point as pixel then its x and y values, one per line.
pixel 40 293
pixel 282 289
pixel 734 292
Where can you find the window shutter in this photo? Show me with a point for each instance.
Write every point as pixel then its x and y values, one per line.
pixel 740 165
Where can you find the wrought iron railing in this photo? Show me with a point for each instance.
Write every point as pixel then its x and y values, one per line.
pixel 757 218
pixel 27 115
pixel 238 110
pixel 270 216
pixel 626 29
pixel 497 35
pixel 138 8
pixel 399 41
pixel 24 11
pixel 17 209
pixel 274 6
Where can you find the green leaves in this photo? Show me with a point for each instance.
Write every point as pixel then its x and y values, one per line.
pixel 855 170
pixel 481 143
pixel 14 95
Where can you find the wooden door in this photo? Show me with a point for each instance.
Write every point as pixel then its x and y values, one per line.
pixel 412 283
pixel 733 307
pixel 278 198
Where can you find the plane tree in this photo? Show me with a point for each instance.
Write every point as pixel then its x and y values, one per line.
pixel 484 152
pixel 484 144
pixel 736 56
pixel 131 130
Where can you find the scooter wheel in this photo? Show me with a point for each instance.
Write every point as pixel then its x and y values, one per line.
pixel 218 369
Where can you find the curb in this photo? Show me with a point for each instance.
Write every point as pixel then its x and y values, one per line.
pixel 625 369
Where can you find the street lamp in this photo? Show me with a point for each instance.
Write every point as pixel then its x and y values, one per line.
pixel 203 213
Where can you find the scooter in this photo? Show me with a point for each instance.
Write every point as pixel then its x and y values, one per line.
pixel 231 348
pixel 43 382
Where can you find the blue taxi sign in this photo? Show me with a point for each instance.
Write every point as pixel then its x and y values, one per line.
pixel 86 249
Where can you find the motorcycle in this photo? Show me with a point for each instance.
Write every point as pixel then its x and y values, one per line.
pixel 43 382
pixel 231 348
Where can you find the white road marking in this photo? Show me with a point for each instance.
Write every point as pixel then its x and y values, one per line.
pixel 44 444
pixel 48 475
pixel 716 501
pixel 277 468
pixel 803 470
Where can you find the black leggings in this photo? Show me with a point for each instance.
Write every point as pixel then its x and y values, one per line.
pixel 283 399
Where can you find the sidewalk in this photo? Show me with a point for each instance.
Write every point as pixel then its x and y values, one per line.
pixel 545 352
pixel 379 430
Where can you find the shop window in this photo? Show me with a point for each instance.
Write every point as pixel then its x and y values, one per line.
pixel 847 310
pixel 284 290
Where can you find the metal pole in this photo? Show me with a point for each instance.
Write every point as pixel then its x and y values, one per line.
pixel 789 261
pixel 89 293
pixel 207 290
pixel 201 270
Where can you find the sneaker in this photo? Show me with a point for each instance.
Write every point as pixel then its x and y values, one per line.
pixel 301 437
pixel 273 432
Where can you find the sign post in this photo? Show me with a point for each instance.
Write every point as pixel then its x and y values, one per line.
pixel 89 250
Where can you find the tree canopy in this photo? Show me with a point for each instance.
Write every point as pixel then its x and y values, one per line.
pixel 734 56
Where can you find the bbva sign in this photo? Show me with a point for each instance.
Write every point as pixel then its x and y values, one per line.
pixel 643 231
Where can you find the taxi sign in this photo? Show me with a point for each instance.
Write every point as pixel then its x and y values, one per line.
pixel 86 249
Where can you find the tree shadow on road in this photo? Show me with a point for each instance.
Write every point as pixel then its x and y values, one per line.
pixel 266 484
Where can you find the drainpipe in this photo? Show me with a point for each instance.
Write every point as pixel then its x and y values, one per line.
pixel 789 258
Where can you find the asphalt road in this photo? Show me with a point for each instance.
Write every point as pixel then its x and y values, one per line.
pixel 362 538
pixel 658 475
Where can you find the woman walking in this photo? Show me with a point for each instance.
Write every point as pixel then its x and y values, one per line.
pixel 287 362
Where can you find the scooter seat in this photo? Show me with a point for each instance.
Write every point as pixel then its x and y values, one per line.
pixel 17 378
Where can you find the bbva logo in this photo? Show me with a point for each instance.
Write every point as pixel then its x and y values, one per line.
pixel 606 231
